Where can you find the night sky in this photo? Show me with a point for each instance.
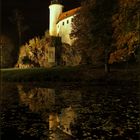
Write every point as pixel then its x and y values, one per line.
pixel 35 13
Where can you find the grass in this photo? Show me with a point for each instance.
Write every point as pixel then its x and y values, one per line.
pixel 39 74
pixel 68 74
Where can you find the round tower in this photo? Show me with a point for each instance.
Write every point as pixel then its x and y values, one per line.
pixel 56 9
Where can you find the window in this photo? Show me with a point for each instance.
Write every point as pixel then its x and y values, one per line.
pixel 67 21
pixel 63 23
pixel 51 54
pixel 72 19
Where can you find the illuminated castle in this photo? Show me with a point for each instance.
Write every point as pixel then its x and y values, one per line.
pixel 60 23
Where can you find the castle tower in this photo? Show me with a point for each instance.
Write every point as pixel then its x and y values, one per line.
pixel 55 10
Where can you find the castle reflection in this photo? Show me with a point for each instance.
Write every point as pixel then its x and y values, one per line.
pixel 37 112
pixel 59 107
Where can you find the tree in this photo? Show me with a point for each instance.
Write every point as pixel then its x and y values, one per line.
pixel 33 54
pixel 6 52
pixel 92 28
pixel 18 19
pixel 126 30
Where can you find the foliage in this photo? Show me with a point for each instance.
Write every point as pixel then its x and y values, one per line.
pixel 6 52
pixel 18 20
pixel 36 52
pixel 109 25
pixel 81 31
pixel 69 55
pixel 26 60
pixel 96 32
pixel 126 30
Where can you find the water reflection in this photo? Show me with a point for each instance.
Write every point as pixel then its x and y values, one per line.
pixel 38 99
pixel 96 113
pixel 58 104
pixel 61 123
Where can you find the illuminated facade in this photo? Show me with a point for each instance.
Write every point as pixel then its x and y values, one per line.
pixel 60 23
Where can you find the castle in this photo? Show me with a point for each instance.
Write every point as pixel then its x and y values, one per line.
pixel 60 23
pixel 58 51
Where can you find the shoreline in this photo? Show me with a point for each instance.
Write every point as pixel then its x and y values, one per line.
pixel 66 75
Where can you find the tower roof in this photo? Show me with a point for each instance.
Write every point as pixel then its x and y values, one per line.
pixel 68 13
pixel 56 1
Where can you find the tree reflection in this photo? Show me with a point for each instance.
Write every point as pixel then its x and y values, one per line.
pixel 17 121
pixel 54 105
pixel 38 99
pixel 101 112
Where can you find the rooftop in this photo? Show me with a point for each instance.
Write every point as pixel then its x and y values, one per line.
pixel 68 13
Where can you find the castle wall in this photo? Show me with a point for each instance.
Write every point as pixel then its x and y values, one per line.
pixel 60 25
pixel 64 28
pixel 55 11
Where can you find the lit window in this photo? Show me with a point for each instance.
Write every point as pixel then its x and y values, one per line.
pixel 51 54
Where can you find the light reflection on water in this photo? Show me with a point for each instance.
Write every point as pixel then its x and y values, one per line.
pixel 42 113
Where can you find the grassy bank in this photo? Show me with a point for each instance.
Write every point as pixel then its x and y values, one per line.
pixel 39 74
pixel 69 74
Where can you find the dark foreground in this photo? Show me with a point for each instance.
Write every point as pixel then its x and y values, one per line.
pixel 41 112
pixel 81 74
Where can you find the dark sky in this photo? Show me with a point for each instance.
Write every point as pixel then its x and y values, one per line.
pixel 35 13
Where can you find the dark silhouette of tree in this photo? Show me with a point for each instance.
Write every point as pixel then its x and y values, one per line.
pixel 126 30
pixel 18 20
pixel 6 52
pixel 92 28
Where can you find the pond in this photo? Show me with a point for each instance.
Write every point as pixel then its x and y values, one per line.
pixel 40 112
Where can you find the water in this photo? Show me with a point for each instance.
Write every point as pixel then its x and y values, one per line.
pixel 40 112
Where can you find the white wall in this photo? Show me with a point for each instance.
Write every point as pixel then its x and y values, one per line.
pixel 65 30
pixel 55 11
